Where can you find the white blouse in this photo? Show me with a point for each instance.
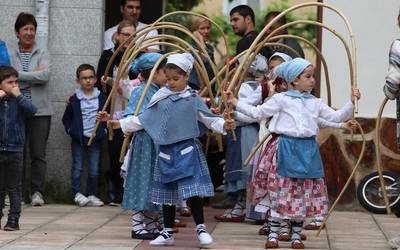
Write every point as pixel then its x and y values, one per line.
pixel 250 95
pixel 297 117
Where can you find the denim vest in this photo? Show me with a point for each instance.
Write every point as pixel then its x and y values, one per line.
pixel 174 119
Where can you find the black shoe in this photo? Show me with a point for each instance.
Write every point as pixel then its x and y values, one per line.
pixel 12 224
pixel 226 203
pixel 143 236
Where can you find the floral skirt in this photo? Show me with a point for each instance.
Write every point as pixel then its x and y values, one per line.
pixel 290 198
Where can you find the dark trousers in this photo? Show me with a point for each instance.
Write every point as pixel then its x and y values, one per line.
pixel 10 181
pixel 114 180
pixel 37 133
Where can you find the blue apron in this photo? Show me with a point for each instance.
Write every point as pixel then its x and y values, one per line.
pixel 299 157
pixel 177 161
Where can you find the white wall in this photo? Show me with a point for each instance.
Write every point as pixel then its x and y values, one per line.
pixel 374 24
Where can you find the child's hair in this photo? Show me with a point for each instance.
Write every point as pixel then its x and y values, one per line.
pixel 146 73
pixel 196 21
pixel 83 67
pixel 125 23
pixel 24 19
pixel 172 66
pixel 6 72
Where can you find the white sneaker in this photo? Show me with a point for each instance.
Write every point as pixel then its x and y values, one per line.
pixel 203 236
pixel 395 242
pixel 94 201
pixel 81 200
pixel 37 200
pixel 164 239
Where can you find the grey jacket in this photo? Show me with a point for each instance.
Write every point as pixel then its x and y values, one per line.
pixel 37 80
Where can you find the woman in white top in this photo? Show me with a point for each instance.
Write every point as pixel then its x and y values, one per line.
pixel 295 181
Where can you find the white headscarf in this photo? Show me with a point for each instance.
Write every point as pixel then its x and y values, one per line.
pixel 285 57
pixel 184 61
pixel 259 65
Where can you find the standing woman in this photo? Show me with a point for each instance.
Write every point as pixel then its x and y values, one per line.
pixel 33 66
pixel 201 27
pixel 113 179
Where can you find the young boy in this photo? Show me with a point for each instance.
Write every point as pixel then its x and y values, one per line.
pixel 14 109
pixel 79 121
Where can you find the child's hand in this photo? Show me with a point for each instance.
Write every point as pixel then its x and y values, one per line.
pixel 230 98
pixel 229 124
pixel 68 99
pixel 355 93
pixel 102 116
pixel 114 124
pixel 349 125
pixel 228 114
pixel 15 91
pixel 215 111
pixel 2 93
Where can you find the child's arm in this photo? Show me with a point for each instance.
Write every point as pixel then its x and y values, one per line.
pixel 128 125
pixel 239 116
pixel 27 108
pixel 392 85
pixel 322 123
pixel 67 117
pixel 216 124
pixel 343 114
pixel 268 109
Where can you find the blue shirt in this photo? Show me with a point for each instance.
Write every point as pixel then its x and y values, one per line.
pixel 4 57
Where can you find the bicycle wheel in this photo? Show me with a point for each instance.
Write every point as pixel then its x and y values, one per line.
pixel 370 195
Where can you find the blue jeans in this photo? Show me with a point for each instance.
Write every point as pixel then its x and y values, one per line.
pixel 93 158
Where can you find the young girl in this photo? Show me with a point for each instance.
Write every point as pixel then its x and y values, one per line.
pixel 236 173
pixel 174 118
pixel 295 184
pixel 256 189
pixel 143 155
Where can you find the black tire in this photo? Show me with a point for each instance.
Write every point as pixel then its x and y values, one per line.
pixel 370 196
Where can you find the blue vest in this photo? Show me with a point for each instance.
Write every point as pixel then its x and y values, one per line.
pixel 299 157
pixel 174 119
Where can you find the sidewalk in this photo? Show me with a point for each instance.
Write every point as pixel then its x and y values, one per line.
pixel 55 227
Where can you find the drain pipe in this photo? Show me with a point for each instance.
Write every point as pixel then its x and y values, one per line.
pixel 42 19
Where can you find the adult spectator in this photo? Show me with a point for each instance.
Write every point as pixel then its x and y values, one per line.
pixel 33 66
pixel 130 10
pixel 4 57
pixel 201 27
pixel 291 42
pixel 243 24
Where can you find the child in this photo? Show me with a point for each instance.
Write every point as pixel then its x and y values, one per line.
pixel 14 109
pixel 295 185
pixel 236 173
pixel 79 121
pixel 142 158
pixel 181 171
